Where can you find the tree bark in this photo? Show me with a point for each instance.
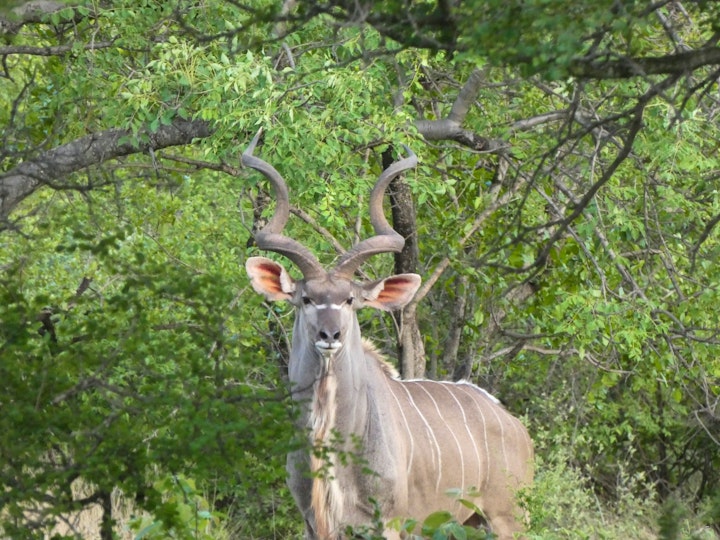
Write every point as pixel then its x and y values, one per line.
pixel 627 68
pixel 51 166
pixel 450 128
pixel 106 525
pixel 452 343
pixel 25 13
pixel 411 350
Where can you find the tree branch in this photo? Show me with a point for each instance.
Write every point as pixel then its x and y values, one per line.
pixel 626 68
pixel 496 200
pixel 28 12
pixel 634 126
pixel 703 236
pixel 450 128
pixel 51 51
pixel 468 93
pixel 21 181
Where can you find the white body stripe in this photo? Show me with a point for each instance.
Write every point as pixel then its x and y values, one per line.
pixel 502 437
pixel 484 438
pixel 407 428
pixel 469 434
pixel 436 457
pixel 457 443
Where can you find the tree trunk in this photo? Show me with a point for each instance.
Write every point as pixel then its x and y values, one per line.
pixel 461 370
pixel 106 527
pixel 411 350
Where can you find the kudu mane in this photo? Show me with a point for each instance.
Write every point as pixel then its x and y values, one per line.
pixel 371 350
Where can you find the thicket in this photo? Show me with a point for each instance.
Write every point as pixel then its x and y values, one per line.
pixel 564 214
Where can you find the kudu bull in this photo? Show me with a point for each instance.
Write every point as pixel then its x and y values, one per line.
pixel 413 440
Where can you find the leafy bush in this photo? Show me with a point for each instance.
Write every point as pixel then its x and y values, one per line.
pixel 184 515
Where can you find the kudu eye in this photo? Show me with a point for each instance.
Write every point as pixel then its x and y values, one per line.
pixel 306 300
pixel 349 301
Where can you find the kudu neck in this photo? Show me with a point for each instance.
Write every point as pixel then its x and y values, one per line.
pixel 349 372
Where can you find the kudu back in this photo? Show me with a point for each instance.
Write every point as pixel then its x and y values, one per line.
pixel 402 444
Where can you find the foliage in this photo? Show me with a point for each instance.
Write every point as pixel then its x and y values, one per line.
pixel 145 367
pixel 562 504
pixel 440 525
pixel 185 514
pixel 566 217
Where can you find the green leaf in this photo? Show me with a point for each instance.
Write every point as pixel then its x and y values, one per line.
pixel 435 520
pixel 149 530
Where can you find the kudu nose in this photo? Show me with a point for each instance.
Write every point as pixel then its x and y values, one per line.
pixel 329 336
pixel 328 341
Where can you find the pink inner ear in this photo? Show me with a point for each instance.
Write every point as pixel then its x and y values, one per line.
pixel 395 287
pixel 393 292
pixel 269 268
pixel 266 278
pixel 270 281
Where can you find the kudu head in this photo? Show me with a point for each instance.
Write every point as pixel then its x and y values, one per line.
pixel 326 301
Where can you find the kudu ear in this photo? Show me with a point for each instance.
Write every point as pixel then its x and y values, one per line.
pixel 270 279
pixel 391 293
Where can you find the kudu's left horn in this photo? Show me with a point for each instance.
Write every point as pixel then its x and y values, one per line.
pixel 270 237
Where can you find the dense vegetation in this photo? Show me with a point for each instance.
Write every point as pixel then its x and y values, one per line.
pixel 563 216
